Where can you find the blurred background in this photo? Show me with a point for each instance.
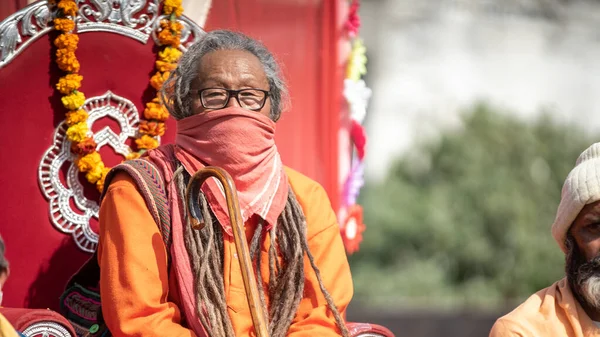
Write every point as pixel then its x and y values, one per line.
pixel 479 111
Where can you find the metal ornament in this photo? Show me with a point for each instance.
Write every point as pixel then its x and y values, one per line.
pixel 70 211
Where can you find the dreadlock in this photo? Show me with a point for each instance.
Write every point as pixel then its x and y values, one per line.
pixel 288 240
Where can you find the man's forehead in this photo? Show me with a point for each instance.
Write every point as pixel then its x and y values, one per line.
pixel 226 66
pixel 590 211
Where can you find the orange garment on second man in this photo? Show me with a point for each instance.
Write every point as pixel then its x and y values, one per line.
pixel 140 298
pixel 551 312
pixel 6 329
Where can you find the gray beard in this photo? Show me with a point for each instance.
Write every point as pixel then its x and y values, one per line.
pixel 583 276
pixel 590 291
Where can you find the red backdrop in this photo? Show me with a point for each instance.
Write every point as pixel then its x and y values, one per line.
pixel 304 35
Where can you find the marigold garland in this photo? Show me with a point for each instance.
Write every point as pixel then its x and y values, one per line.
pixel 74 117
pixel 68 83
pixel 88 160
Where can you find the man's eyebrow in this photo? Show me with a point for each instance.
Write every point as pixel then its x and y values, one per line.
pixel 592 216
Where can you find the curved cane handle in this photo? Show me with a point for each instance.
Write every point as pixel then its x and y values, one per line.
pixel 192 194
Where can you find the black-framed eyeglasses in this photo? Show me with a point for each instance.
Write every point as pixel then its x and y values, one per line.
pixel 218 98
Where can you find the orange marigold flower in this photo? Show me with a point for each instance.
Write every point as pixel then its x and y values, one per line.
pixel 66 60
pixel 170 34
pixel 155 110
pixel 73 101
pixel 146 142
pixel 176 27
pixel 165 66
pixel 173 6
pixel 84 147
pixel 133 155
pixel 68 83
pixel 68 7
pixel 169 55
pixel 77 132
pixel 157 80
pixel 88 162
pixel 165 37
pixel 152 128
pixel 77 116
pixel 64 24
pixel 67 41
pixel 100 182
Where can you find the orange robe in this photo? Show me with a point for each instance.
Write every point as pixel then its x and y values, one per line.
pixel 550 312
pixel 140 298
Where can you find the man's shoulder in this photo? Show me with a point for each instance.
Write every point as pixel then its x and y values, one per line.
pixel 531 317
pixel 314 201
pixel 302 184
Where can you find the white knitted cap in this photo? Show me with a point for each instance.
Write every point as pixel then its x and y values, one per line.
pixel 581 187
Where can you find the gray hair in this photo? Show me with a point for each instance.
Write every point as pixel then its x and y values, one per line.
pixel 177 94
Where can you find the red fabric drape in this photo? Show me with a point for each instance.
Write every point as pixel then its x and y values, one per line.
pixel 7 7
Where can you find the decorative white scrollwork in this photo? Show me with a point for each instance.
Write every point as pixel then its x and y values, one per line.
pixel 47 329
pixel 137 19
pixel 70 210
pixel 22 28
pixel 133 18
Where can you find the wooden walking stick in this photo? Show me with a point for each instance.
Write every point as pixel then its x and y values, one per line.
pixel 192 193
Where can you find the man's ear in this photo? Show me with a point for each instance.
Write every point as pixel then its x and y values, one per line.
pixel 4 276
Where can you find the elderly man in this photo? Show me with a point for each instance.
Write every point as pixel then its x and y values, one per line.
pixel 226 95
pixel 571 306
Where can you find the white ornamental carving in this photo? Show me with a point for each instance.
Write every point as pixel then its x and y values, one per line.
pixel 74 217
pixel 137 19
pixel 133 18
pixel 33 21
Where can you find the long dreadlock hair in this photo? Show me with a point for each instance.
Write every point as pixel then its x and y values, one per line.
pixel 288 240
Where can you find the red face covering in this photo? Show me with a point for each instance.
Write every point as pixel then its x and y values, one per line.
pixel 243 143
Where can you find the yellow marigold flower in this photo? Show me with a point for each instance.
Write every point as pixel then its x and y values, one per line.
pixel 77 132
pixel 133 155
pixel 63 24
pixel 155 110
pixel 73 101
pixel 68 7
pixel 100 182
pixel 146 142
pixel 173 6
pixel 169 55
pixel 66 60
pixel 77 116
pixel 88 162
pixel 358 60
pixel 158 79
pixel 67 41
pixel 95 173
pixel 68 83
pixel 165 66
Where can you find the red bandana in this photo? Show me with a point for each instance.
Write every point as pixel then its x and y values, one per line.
pixel 243 143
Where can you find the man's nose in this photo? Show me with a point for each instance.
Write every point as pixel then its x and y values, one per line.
pixel 233 102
